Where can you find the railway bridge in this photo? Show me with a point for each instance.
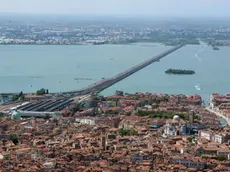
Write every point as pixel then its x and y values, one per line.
pixel 105 83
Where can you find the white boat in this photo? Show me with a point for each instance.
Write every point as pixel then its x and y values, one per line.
pixel 197 87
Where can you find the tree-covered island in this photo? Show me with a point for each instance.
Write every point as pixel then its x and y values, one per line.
pixel 180 72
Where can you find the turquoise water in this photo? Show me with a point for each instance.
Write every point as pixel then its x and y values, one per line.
pixel 57 66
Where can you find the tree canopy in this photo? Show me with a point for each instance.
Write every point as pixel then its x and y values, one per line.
pixel 161 114
pixel 127 132
pixel 220 157
pixel 14 138
pixel 20 96
pixel 42 91
pixel 179 71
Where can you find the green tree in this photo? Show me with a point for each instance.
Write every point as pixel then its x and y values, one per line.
pixel 133 132
pixel 41 92
pixel 128 113
pixel 124 132
pixel 15 98
pixel 76 107
pixel 20 96
pixel 220 157
pixel 127 132
pixel 14 138
pixel 190 139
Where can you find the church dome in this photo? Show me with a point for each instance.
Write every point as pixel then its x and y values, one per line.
pixel 176 118
pixel 16 115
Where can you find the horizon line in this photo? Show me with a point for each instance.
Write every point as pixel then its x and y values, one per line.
pixel 115 15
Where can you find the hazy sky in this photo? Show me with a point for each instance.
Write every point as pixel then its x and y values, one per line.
pixel 196 8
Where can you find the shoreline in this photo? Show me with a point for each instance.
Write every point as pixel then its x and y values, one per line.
pixel 87 44
pixel 59 92
pixel 106 43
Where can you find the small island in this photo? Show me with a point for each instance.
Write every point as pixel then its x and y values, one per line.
pixel 180 72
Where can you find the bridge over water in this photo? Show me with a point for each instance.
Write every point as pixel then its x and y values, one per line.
pixel 60 101
pixel 105 83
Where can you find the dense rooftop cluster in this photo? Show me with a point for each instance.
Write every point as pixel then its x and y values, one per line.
pixel 124 132
pixel 221 102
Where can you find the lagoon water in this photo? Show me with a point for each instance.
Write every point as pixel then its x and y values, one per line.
pixel 28 68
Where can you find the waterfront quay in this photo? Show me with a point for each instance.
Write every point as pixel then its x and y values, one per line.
pixel 218 113
pixel 220 105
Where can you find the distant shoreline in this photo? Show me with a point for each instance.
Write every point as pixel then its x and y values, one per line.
pixel 105 43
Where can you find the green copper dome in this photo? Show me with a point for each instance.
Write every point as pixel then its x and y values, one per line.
pixel 16 115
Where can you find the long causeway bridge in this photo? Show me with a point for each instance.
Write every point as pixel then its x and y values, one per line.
pixel 105 83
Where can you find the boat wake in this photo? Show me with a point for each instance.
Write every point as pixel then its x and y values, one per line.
pixel 200 51
pixel 197 87
pixel 198 58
